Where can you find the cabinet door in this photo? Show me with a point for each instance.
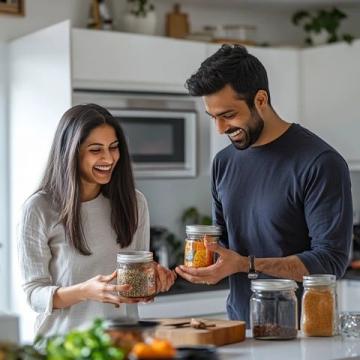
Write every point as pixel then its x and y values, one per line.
pixel 40 92
pixel 4 244
pixel 109 60
pixel 205 304
pixel 330 96
pixel 348 295
pixel 282 66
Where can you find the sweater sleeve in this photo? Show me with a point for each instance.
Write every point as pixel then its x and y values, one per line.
pixel 328 214
pixel 34 257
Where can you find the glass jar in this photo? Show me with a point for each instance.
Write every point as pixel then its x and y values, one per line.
pixel 196 255
pixel 273 309
pixel 137 269
pixel 319 305
pixel 125 332
pixel 349 324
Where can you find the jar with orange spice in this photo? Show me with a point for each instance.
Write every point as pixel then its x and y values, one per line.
pixel 319 305
pixel 196 255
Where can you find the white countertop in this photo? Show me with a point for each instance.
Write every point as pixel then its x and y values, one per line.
pixel 302 348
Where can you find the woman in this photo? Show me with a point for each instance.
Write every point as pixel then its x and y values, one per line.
pixel 85 211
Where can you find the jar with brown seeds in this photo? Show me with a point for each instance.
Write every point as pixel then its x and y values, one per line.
pixel 319 305
pixel 273 309
pixel 137 269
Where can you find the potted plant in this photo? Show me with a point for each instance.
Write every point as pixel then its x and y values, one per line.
pixel 322 26
pixel 141 17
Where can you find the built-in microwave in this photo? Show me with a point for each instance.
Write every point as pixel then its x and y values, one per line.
pixel 161 130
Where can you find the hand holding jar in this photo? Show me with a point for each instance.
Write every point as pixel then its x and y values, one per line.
pixel 145 277
pixel 99 288
pixel 165 278
pixel 228 262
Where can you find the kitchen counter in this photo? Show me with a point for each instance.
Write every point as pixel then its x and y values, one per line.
pixel 182 286
pixel 302 348
pixel 352 274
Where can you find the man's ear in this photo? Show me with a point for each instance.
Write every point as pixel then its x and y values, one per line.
pixel 261 100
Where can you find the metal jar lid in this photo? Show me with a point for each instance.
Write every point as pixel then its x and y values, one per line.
pixel 273 285
pixel 131 257
pixel 319 280
pixel 203 230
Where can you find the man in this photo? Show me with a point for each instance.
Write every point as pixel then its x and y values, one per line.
pixel 281 194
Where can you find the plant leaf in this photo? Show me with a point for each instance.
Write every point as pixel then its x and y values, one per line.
pixel 298 16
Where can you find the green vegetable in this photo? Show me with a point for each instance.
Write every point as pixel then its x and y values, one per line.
pixel 91 344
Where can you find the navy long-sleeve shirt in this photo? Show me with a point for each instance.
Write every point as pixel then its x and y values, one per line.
pixel 288 197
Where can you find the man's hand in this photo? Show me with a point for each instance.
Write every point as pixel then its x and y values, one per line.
pixel 229 262
pixel 165 278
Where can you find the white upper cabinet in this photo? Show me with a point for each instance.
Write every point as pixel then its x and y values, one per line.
pixel 121 61
pixel 282 66
pixel 330 93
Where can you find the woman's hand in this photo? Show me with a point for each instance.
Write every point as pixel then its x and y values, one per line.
pixel 165 278
pixel 99 289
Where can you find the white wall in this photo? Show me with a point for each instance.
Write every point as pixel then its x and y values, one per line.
pixel 272 21
pixel 43 13
pixel 4 250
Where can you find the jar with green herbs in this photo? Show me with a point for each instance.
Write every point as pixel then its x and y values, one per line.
pixel 137 269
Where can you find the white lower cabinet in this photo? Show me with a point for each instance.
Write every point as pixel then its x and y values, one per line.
pixel 348 292
pixel 209 304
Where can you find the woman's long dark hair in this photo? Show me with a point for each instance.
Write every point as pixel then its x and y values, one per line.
pixel 61 181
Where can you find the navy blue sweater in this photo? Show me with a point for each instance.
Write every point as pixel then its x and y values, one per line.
pixel 291 196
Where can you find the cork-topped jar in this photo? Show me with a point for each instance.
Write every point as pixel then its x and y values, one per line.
pixel 136 268
pixel 196 254
pixel 319 305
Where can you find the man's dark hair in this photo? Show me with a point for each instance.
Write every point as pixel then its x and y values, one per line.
pixel 230 65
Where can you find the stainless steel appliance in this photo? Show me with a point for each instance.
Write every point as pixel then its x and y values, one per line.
pixel 161 129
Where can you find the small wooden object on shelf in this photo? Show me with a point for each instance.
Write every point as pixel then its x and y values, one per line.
pixel 14 7
pixel 95 19
pixel 234 41
pixel 177 24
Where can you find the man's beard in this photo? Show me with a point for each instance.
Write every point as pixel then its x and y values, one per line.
pixel 251 133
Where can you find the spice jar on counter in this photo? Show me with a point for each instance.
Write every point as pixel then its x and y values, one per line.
pixel 319 305
pixel 196 255
pixel 137 269
pixel 273 309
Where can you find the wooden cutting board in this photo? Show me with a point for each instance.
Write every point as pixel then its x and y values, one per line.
pixel 224 332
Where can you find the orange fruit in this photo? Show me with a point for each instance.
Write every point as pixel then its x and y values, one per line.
pixel 163 348
pixel 142 350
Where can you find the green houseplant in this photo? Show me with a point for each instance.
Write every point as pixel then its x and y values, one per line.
pixel 321 26
pixel 141 17
pixel 141 7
